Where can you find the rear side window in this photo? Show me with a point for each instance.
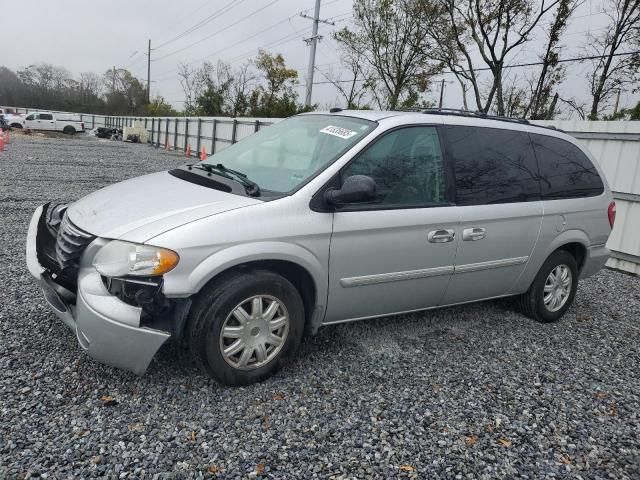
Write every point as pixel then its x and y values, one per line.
pixel 46 116
pixel 565 171
pixel 492 165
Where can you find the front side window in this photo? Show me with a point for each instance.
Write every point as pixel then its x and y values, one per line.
pixel 282 156
pixel 407 166
pixel 30 117
pixel 492 165
pixel 565 172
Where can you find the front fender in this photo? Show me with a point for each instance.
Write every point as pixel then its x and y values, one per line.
pixel 193 281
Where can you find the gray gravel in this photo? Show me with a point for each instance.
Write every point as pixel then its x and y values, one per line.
pixel 476 391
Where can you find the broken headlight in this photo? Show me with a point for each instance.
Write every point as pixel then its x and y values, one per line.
pixel 118 259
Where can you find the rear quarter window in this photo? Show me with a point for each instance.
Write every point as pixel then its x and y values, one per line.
pixel 492 165
pixel 565 171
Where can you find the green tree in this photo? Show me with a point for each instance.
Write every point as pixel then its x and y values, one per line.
pixel 276 98
pixel 160 108
pixel 390 41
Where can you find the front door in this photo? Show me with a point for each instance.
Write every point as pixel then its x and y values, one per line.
pixel 396 254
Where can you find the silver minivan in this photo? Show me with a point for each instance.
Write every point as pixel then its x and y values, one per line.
pixel 320 219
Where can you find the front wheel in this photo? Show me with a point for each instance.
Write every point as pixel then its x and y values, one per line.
pixel 553 290
pixel 245 326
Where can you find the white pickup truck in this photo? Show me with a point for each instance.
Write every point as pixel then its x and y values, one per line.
pixel 53 122
pixel 11 117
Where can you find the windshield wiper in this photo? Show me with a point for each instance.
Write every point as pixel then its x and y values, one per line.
pixel 251 187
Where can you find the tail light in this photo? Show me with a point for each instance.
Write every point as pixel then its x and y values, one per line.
pixel 82 125
pixel 611 212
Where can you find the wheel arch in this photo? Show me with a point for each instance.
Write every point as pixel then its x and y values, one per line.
pixel 293 262
pixel 575 242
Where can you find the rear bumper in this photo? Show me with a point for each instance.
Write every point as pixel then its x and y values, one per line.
pixel 595 260
pixel 107 329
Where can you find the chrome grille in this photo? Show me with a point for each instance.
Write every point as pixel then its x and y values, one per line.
pixel 70 243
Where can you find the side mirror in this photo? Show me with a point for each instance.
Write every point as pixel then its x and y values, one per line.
pixel 355 189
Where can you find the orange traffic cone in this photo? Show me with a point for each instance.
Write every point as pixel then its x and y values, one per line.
pixel 203 153
pixel 1 143
pixel 188 152
pixel 6 138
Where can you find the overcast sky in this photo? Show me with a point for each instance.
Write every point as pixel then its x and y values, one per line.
pixel 95 36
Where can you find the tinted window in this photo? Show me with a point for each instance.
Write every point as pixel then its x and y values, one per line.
pixel 30 117
pixel 565 171
pixel 492 165
pixel 46 116
pixel 406 165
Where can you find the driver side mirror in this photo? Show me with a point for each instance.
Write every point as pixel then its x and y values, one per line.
pixel 355 189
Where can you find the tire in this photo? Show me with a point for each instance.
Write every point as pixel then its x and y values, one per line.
pixel 532 302
pixel 69 130
pixel 16 125
pixel 214 309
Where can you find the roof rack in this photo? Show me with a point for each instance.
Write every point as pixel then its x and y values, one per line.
pixel 469 113
pixel 475 114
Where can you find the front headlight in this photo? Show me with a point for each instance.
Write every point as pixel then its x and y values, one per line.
pixel 118 258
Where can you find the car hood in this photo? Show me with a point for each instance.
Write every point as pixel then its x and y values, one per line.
pixel 144 207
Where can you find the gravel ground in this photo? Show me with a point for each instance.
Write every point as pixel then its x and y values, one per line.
pixel 476 391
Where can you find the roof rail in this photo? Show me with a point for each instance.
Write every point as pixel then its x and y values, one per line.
pixel 475 114
pixel 469 113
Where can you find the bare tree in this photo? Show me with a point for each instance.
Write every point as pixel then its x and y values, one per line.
pixel 193 81
pixel 390 38
pixel 611 71
pixel 239 85
pixel 541 104
pixel 353 89
pixel 488 29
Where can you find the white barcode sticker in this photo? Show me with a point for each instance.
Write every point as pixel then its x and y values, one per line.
pixel 338 131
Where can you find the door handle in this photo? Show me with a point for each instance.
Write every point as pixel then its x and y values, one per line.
pixel 441 236
pixel 473 234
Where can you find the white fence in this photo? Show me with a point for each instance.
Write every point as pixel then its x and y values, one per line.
pixel 212 133
pixel 616 146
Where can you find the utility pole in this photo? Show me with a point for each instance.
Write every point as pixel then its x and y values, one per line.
pixel 149 72
pixel 615 108
pixel 441 93
pixel 312 42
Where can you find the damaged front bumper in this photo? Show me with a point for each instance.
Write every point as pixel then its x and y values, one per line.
pixel 108 329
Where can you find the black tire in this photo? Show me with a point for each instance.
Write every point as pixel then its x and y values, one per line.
pixel 531 303
pixel 216 302
pixel 16 125
pixel 69 130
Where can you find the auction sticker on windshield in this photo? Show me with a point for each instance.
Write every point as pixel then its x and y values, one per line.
pixel 338 131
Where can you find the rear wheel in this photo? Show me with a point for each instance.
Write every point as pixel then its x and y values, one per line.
pixel 553 290
pixel 245 326
pixel 69 130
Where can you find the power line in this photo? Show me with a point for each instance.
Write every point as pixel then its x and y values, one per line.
pixel 517 65
pixel 219 31
pixel 287 38
pixel 243 40
pixel 218 13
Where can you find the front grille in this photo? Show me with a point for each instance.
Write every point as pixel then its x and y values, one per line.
pixel 70 243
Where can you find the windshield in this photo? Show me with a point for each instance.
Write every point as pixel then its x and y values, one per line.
pixel 282 156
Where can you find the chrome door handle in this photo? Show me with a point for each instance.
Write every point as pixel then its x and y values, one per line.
pixel 473 234
pixel 441 236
